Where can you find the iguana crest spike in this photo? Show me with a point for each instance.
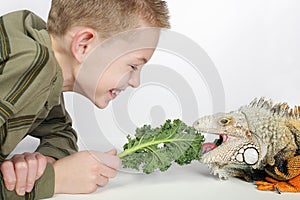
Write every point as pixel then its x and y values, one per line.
pixel 281 109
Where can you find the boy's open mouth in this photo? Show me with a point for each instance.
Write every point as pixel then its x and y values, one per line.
pixel 114 93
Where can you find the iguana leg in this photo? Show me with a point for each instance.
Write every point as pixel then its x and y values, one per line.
pixel 292 185
pixel 288 172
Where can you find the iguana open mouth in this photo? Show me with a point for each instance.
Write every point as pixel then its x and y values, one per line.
pixel 209 146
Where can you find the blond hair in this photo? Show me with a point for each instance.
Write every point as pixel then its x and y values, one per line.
pixel 107 17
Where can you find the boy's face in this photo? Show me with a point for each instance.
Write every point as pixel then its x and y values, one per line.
pixel 115 64
pixel 121 73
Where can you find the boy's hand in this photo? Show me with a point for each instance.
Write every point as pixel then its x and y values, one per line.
pixel 22 170
pixel 84 171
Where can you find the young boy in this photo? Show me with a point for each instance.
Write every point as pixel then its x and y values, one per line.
pixel 38 62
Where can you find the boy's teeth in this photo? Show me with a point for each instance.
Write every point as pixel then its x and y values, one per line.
pixel 115 92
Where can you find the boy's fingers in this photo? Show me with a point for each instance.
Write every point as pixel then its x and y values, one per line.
pixel 108 159
pixel 107 171
pixel 9 176
pixel 21 170
pixel 112 152
pixel 42 163
pixel 102 181
pixel 32 166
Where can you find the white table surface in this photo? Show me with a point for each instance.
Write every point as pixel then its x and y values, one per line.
pixel 189 182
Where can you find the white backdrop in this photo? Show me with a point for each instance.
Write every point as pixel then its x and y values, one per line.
pixel 254 45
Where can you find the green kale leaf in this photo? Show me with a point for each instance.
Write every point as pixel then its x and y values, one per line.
pixel 157 148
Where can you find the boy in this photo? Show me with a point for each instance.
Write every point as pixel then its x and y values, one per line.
pixel 37 63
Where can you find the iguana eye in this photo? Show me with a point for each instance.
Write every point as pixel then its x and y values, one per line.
pixel 225 121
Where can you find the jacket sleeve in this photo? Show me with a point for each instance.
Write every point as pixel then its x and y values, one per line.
pixel 26 66
pixel 57 137
pixel 43 188
pixel 57 140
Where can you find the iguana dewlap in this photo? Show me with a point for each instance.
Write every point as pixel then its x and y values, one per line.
pixel 258 142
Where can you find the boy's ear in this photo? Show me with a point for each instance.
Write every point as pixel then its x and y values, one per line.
pixel 82 42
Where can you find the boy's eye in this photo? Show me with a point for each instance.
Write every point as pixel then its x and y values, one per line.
pixel 134 67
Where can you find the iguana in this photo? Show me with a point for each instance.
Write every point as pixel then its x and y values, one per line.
pixel 258 142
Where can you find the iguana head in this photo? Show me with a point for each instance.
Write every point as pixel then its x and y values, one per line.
pixel 246 137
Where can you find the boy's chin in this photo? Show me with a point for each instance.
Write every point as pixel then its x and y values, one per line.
pixel 101 104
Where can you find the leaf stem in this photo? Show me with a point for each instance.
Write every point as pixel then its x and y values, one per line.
pixel 147 144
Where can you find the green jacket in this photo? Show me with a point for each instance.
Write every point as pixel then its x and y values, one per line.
pixel 31 100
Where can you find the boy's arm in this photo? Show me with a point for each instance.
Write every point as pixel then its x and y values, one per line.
pixel 57 137
pixel 43 188
pixel 58 140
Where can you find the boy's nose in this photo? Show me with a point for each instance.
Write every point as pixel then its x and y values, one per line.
pixel 134 81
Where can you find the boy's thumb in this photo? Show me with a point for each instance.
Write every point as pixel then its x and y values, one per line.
pixel 112 152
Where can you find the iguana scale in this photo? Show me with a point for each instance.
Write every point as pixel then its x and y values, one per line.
pixel 258 142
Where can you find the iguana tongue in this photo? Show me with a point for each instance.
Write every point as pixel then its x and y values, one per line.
pixel 206 147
